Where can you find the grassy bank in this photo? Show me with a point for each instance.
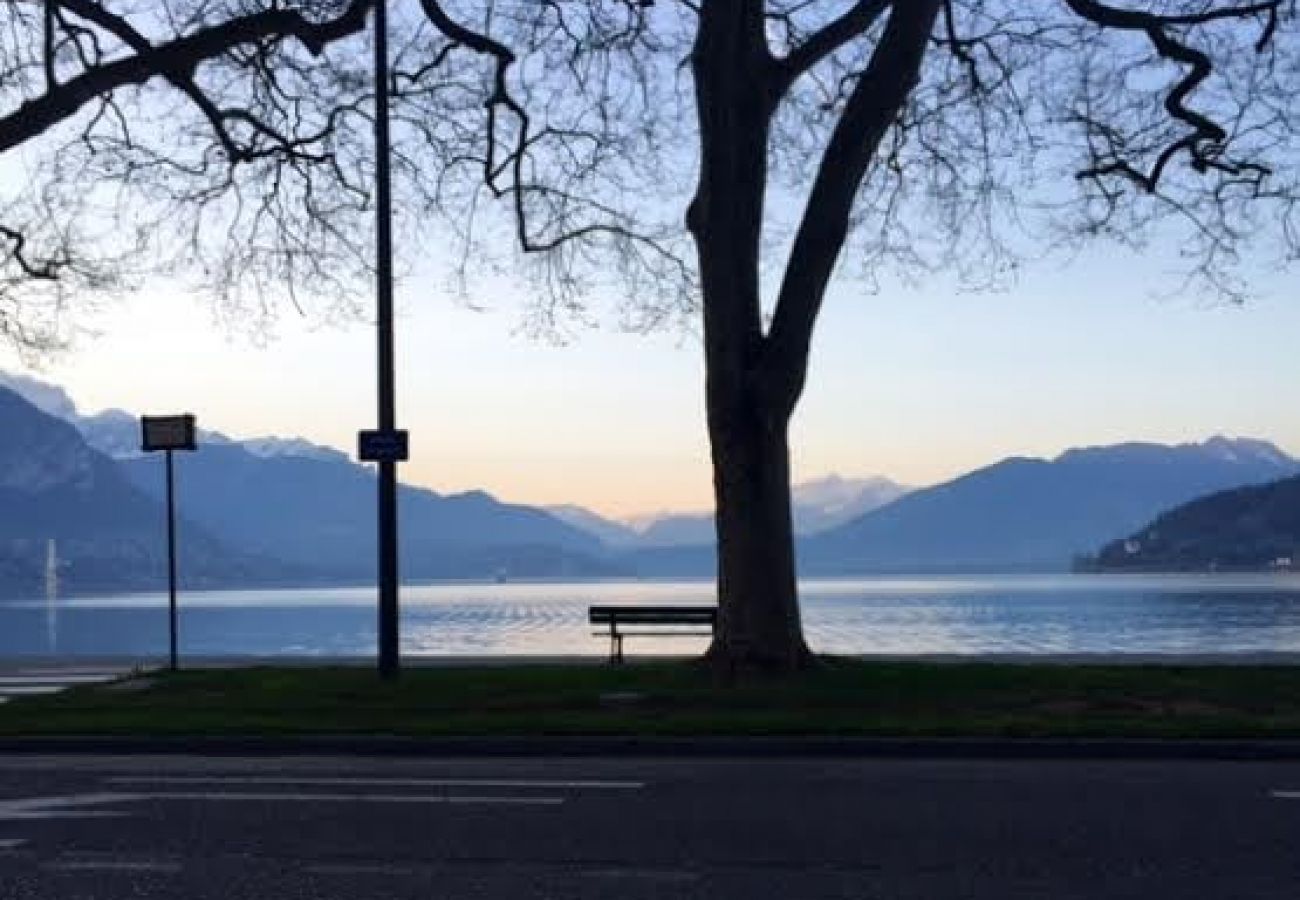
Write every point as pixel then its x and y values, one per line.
pixel 840 698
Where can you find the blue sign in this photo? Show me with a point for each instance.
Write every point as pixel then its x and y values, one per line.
pixel 383 446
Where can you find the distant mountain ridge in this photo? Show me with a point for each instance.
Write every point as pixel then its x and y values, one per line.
pixel 116 432
pixel 817 505
pixel 107 533
pixel 313 508
pixel 611 533
pixel 319 511
pixel 1024 513
pixel 1251 528
pixel 280 507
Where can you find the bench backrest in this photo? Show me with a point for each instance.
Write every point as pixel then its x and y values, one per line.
pixel 654 615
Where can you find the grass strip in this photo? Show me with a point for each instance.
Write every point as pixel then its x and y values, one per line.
pixel 840 697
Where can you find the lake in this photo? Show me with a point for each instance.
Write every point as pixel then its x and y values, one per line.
pixel 959 615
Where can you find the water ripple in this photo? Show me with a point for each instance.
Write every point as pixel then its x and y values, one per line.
pixel 995 614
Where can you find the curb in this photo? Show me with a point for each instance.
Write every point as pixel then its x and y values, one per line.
pixel 700 747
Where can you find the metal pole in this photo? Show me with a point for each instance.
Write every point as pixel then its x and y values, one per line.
pixel 171 558
pixel 388 574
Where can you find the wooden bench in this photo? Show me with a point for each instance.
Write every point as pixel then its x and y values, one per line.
pixel 635 616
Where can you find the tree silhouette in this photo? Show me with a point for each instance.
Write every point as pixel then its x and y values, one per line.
pixel 227 139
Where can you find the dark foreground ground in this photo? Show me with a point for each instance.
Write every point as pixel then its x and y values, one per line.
pixel 839 698
pixel 228 829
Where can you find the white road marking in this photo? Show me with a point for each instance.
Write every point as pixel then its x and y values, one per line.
pixel 12 843
pixel 1286 795
pixel 72 806
pixel 219 796
pixel 68 807
pixel 15 690
pixel 52 678
pixel 357 869
pixel 113 865
pixel 72 670
pixel 669 875
pixel 37 682
pixel 373 782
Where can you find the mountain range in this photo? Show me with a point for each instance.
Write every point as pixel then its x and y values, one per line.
pixel 320 511
pixel 273 510
pixel 1019 514
pixel 1036 514
pixel 303 510
pixel 107 532
pixel 817 506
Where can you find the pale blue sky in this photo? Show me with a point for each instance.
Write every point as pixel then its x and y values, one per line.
pixel 917 384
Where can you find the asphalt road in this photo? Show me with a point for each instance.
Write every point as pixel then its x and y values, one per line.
pixel 193 827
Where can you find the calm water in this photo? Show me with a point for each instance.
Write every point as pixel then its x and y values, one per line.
pixel 1017 614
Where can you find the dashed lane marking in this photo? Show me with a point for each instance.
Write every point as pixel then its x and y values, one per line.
pixel 12 843
pixel 54 678
pixel 67 807
pixel 220 796
pixel 661 875
pixel 113 865
pixel 25 690
pixel 74 806
pixel 358 869
pixel 374 782
pixel 35 681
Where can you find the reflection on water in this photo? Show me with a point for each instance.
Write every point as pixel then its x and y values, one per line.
pixel 51 625
pixel 996 614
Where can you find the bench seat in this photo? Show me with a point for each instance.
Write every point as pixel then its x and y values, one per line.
pixel 660 617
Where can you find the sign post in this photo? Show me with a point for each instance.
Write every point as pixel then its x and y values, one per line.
pixel 168 434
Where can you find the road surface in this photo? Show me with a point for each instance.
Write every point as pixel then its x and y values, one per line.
pixel 195 827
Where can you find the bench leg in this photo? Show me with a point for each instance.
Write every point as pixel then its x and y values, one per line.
pixel 615 647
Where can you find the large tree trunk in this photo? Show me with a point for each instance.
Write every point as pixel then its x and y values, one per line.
pixel 755 379
pixel 759 619
pixel 759 628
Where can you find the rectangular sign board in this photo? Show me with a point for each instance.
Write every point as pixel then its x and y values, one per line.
pixel 167 433
pixel 383 446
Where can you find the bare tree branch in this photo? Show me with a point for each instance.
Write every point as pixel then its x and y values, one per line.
pixel 175 57
pixel 870 111
pixel 850 26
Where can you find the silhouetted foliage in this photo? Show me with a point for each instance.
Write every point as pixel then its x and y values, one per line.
pixel 228 139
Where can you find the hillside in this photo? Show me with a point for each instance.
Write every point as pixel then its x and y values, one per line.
pixel 1252 528
pixel 108 534
pixel 319 511
pixel 314 508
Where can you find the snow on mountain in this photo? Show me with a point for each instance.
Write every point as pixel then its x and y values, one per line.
pixel 116 432
pixel 827 502
pixel 48 398
pixel 268 447
pixel 817 506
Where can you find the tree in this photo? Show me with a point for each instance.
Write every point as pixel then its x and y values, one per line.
pixel 966 134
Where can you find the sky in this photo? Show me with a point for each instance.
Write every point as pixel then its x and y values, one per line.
pixel 919 384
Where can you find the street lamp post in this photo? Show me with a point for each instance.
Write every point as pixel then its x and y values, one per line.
pixel 386 445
